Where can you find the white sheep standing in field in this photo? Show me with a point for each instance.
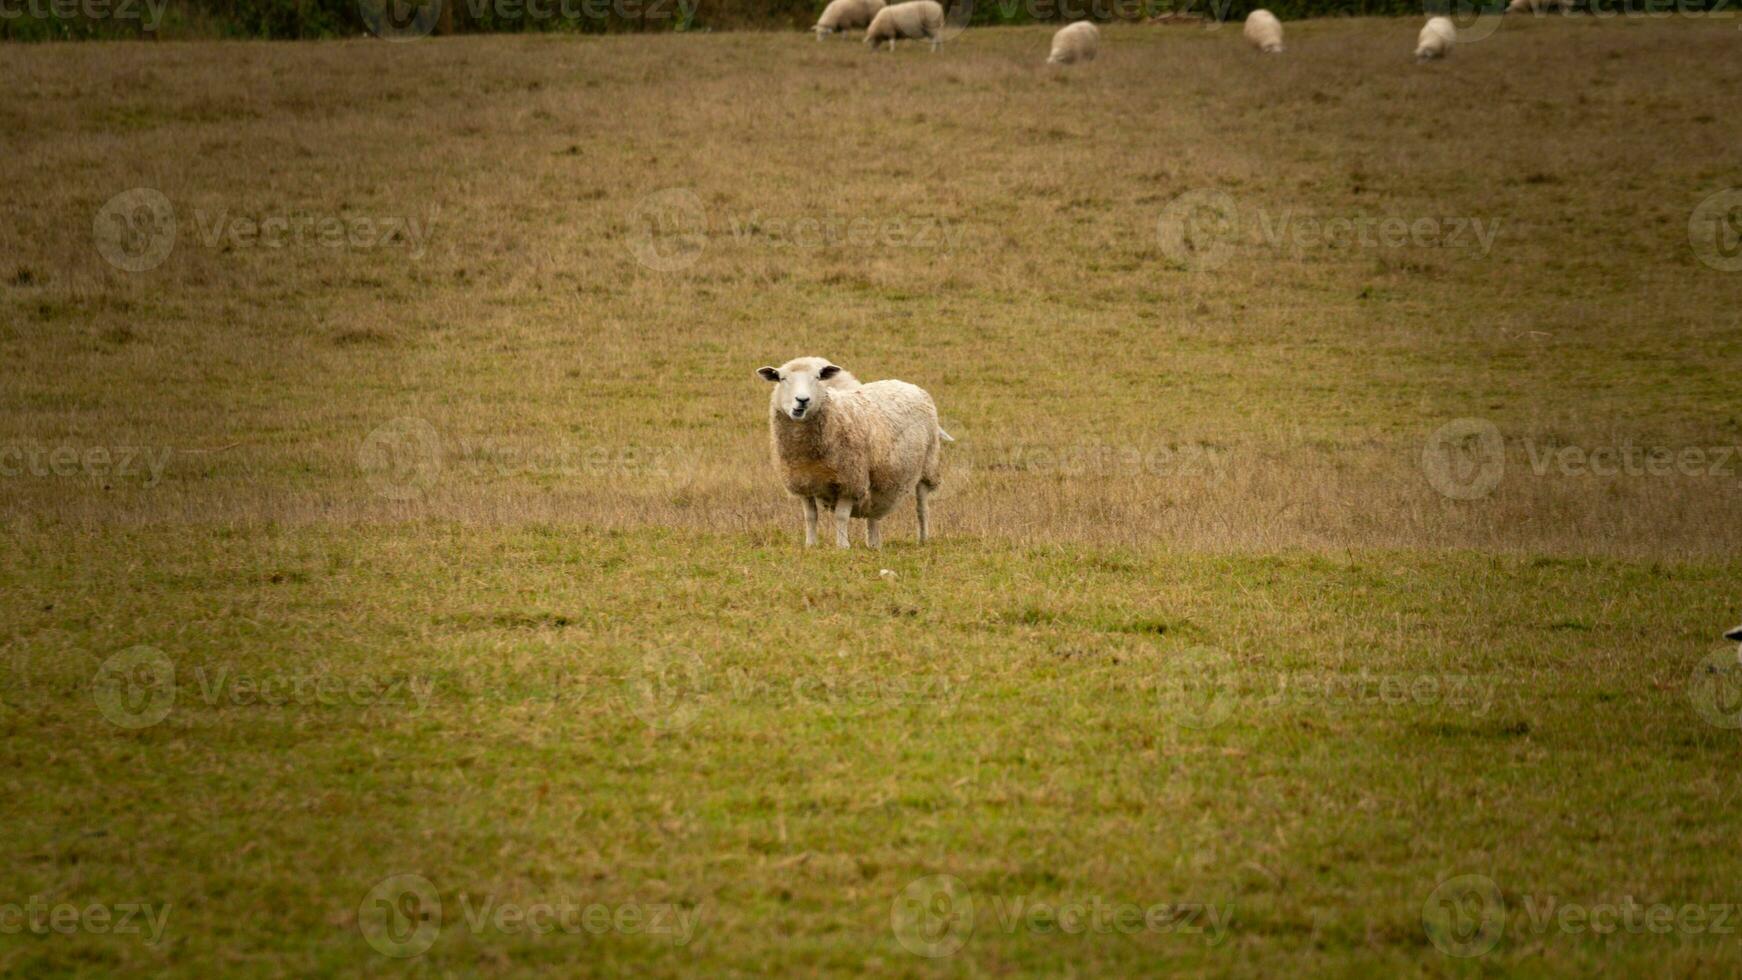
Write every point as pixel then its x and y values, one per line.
pixel 1075 42
pixel 846 15
pixel 1436 39
pixel 851 448
pixel 1264 31
pixel 915 18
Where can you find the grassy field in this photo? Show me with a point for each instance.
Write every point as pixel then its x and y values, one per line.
pixel 1328 573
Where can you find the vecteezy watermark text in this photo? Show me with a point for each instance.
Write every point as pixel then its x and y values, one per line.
pixel 1468 916
pixel 138 687
pixel 1465 459
pixel 37 916
pixel 668 230
pixel 402 916
pixel 310 230
pixel 149 13
pixel 935 916
pixel 137 230
pixel 1201 228
pixel 146 463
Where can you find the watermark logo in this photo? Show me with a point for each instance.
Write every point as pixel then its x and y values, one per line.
pixel 313 230
pixel 1196 687
pixel 135 688
pixel 1474 21
pixel 1715 690
pixel 135 230
pixel 1198 228
pixel 1715 230
pixel 400 20
pixel 1203 688
pixel 668 229
pixel 1464 459
pixel 138 688
pixel 668 688
pixel 402 458
pixel 811 232
pixel 1465 916
pixel 933 916
pixel 401 916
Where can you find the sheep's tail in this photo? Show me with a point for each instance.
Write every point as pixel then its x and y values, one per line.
pixel 945 435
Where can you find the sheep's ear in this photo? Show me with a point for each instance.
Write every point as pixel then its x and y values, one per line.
pixel 828 372
pixel 768 373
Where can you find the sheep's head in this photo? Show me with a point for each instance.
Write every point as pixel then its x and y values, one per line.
pixel 802 386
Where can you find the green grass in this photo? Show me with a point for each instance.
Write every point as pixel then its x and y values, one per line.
pixel 780 742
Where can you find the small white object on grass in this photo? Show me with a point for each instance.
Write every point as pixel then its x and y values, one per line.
pixel 845 15
pixel 1075 42
pixel 915 19
pixel 1264 32
pixel 1436 39
pixel 885 573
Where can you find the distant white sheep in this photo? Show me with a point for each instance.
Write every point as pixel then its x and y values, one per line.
pixel 846 15
pixel 1075 42
pixel 1264 31
pixel 851 448
pixel 915 19
pixel 1436 39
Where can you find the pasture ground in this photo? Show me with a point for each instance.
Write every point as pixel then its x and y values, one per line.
pixel 447 544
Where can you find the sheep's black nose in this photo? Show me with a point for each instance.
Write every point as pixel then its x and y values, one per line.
pixel 802 401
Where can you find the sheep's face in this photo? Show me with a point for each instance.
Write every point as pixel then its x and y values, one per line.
pixel 801 386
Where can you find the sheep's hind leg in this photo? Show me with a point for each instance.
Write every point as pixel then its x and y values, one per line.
pixel 919 495
pixel 873 534
pixel 843 517
pixel 810 522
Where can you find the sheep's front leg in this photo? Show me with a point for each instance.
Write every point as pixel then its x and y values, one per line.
pixel 843 515
pixel 873 534
pixel 919 493
pixel 810 522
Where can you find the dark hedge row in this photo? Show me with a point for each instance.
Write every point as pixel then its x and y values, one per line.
pixel 36 20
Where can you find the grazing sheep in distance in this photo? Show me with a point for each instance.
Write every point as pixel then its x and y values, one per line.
pixel 845 15
pixel 1264 31
pixel 853 449
pixel 1075 42
pixel 915 18
pixel 1436 39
